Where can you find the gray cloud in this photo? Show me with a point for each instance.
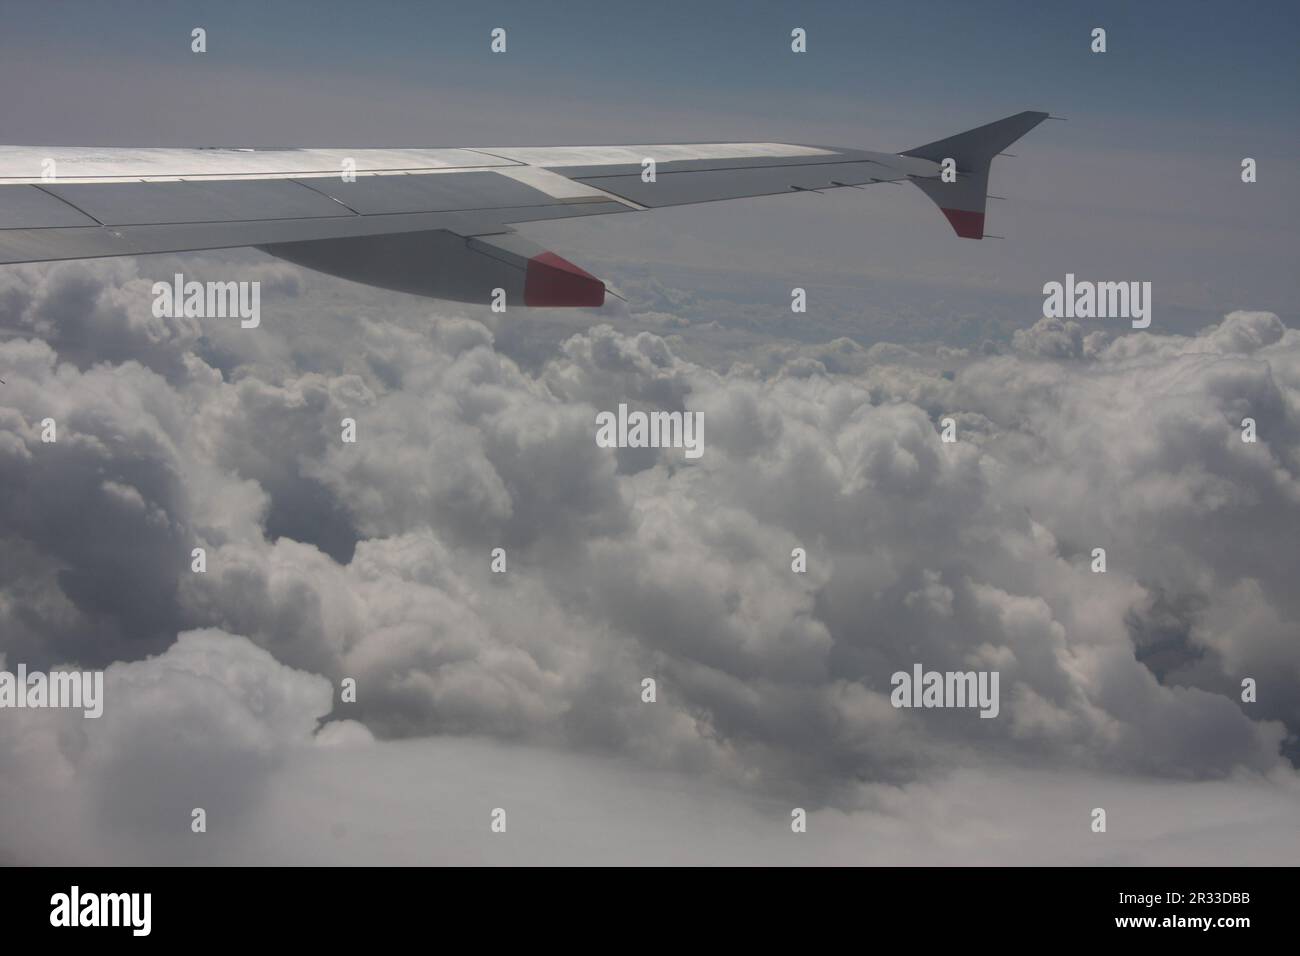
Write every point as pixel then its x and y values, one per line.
pixel 371 560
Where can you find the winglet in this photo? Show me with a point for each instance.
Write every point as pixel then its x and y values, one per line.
pixel 963 201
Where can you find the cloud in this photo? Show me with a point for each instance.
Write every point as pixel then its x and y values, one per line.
pixel 430 801
pixel 371 560
pixel 204 725
pixel 1057 339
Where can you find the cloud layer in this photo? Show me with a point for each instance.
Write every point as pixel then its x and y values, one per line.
pixel 328 560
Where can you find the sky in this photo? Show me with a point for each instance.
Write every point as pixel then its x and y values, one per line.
pixel 523 690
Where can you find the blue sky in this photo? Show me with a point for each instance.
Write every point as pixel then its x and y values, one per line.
pixel 1167 60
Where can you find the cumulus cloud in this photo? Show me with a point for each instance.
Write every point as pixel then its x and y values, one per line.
pixel 371 560
pixel 1055 338
pixel 204 725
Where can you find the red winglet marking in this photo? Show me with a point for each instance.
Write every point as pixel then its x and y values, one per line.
pixel 551 280
pixel 968 225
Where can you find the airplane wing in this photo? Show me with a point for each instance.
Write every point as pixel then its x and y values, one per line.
pixel 433 222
